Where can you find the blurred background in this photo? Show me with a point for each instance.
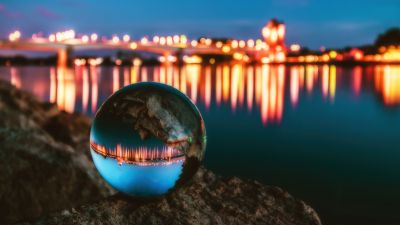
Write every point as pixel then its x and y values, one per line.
pixel 302 94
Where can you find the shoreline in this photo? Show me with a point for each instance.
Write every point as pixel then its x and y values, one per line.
pixel 338 63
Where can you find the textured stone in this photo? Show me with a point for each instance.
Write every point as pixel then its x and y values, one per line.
pixel 207 199
pixel 42 171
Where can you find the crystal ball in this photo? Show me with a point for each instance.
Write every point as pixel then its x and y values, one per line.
pixel 147 139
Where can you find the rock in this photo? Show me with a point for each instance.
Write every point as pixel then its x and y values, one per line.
pixel 41 171
pixel 207 199
pixel 46 172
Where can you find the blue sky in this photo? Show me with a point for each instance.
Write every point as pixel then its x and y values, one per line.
pixel 312 23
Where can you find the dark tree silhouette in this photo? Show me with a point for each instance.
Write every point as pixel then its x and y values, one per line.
pixel 390 37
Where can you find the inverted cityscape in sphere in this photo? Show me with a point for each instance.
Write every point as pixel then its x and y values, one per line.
pixel 147 139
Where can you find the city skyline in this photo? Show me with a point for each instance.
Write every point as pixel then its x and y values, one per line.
pixel 208 18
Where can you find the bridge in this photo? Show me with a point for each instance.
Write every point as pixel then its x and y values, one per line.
pixel 64 43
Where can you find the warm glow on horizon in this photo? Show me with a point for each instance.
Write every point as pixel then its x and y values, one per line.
pixel 270 50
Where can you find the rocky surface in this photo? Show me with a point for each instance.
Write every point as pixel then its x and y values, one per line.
pixel 44 164
pixel 208 199
pixel 46 177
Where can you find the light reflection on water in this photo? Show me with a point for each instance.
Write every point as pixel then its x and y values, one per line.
pixel 317 131
pixel 257 88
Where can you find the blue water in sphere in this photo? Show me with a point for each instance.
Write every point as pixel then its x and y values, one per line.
pixel 147 139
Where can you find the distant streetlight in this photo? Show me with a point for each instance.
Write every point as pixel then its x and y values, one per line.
pixel 15 36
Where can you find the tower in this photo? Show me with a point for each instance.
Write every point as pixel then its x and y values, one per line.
pixel 274 36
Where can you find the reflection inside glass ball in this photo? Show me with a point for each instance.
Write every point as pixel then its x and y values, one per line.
pixel 147 139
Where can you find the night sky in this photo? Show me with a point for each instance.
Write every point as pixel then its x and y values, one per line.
pixel 312 23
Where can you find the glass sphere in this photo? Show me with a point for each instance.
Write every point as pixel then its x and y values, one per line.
pixel 147 139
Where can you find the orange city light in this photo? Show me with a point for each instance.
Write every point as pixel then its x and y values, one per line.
pixel 281 30
pixel 250 43
pixel 242 44
pixel 333 54
pixel 133 45
pixel 14 36
pixel 208 41
pixel 144 41
pixel 183 39
pixel 237 56
pixel 392 54
pixel 52 37
pixel 226 49
pixel 162 41
pixel 80 62
pixel 234 44
pixel 85 38
pixel 137 62
pixel 93 37
pixel 192 59
pixel 156 39
pixel 194 43
pixel 95 62
pixel 169 40
pixel 266 32
pixel 126 38
pixel 176 39
pixel 115 39
pixel 62 36
pixel 295 47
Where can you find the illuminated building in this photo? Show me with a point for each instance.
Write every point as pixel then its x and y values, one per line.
pixel 274 36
